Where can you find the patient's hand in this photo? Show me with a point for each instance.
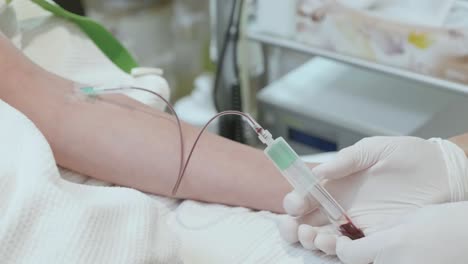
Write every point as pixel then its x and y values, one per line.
pixel 377 181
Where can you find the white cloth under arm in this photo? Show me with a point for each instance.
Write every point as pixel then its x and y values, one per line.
pixel 45 219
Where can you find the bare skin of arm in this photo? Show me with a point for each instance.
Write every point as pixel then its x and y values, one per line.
pixel 132 148
pixel 461 141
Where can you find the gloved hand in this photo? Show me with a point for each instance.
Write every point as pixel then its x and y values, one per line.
pixel 435 234
pixel 377 181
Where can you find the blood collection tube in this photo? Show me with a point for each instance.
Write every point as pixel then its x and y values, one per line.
pixel 305 182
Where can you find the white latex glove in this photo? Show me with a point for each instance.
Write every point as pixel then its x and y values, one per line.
pixel 435 234
pixel 378 180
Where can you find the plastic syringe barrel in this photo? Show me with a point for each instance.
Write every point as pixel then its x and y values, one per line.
pixel 301 177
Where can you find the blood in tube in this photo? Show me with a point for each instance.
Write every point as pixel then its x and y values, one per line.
pixel 350 230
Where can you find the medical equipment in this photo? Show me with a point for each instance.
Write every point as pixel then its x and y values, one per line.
pixel 304 181
pixel 227 92
pixel 278 151
pixel 325 106
pixel 276 17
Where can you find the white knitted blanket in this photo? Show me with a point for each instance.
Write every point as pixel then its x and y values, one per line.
pixel 58 216
pixel 46 219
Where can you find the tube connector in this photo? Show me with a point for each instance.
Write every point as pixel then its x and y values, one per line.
pixel 263 135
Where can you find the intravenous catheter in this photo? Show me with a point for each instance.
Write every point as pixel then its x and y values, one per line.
pixel 279 152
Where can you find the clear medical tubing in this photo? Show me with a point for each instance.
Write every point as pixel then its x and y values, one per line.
pixel 95 92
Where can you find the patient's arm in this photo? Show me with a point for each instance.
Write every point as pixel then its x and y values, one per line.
pixel 461 141
pixel 132 148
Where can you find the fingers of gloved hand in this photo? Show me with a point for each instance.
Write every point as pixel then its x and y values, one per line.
pixel 325 240
pixel 296 205
pixel 364 250
pixel 289 226
pixel 353 159
pixel 318 238
pixel 306 235
pixel 288 229
pixel 346 162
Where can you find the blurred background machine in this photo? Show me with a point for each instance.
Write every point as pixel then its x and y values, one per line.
pixel 243 55
pixel 173 35
pixel 324 106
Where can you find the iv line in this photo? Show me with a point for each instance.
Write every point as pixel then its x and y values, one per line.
pixel 282 155
pixel 90 91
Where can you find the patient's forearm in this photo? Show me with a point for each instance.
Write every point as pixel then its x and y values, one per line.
pixel 142 151
pixel 135 149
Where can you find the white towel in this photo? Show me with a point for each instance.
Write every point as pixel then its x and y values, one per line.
pixel 45 219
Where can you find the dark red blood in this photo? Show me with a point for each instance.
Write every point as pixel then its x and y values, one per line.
pixel 259 130
pixel 351 231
